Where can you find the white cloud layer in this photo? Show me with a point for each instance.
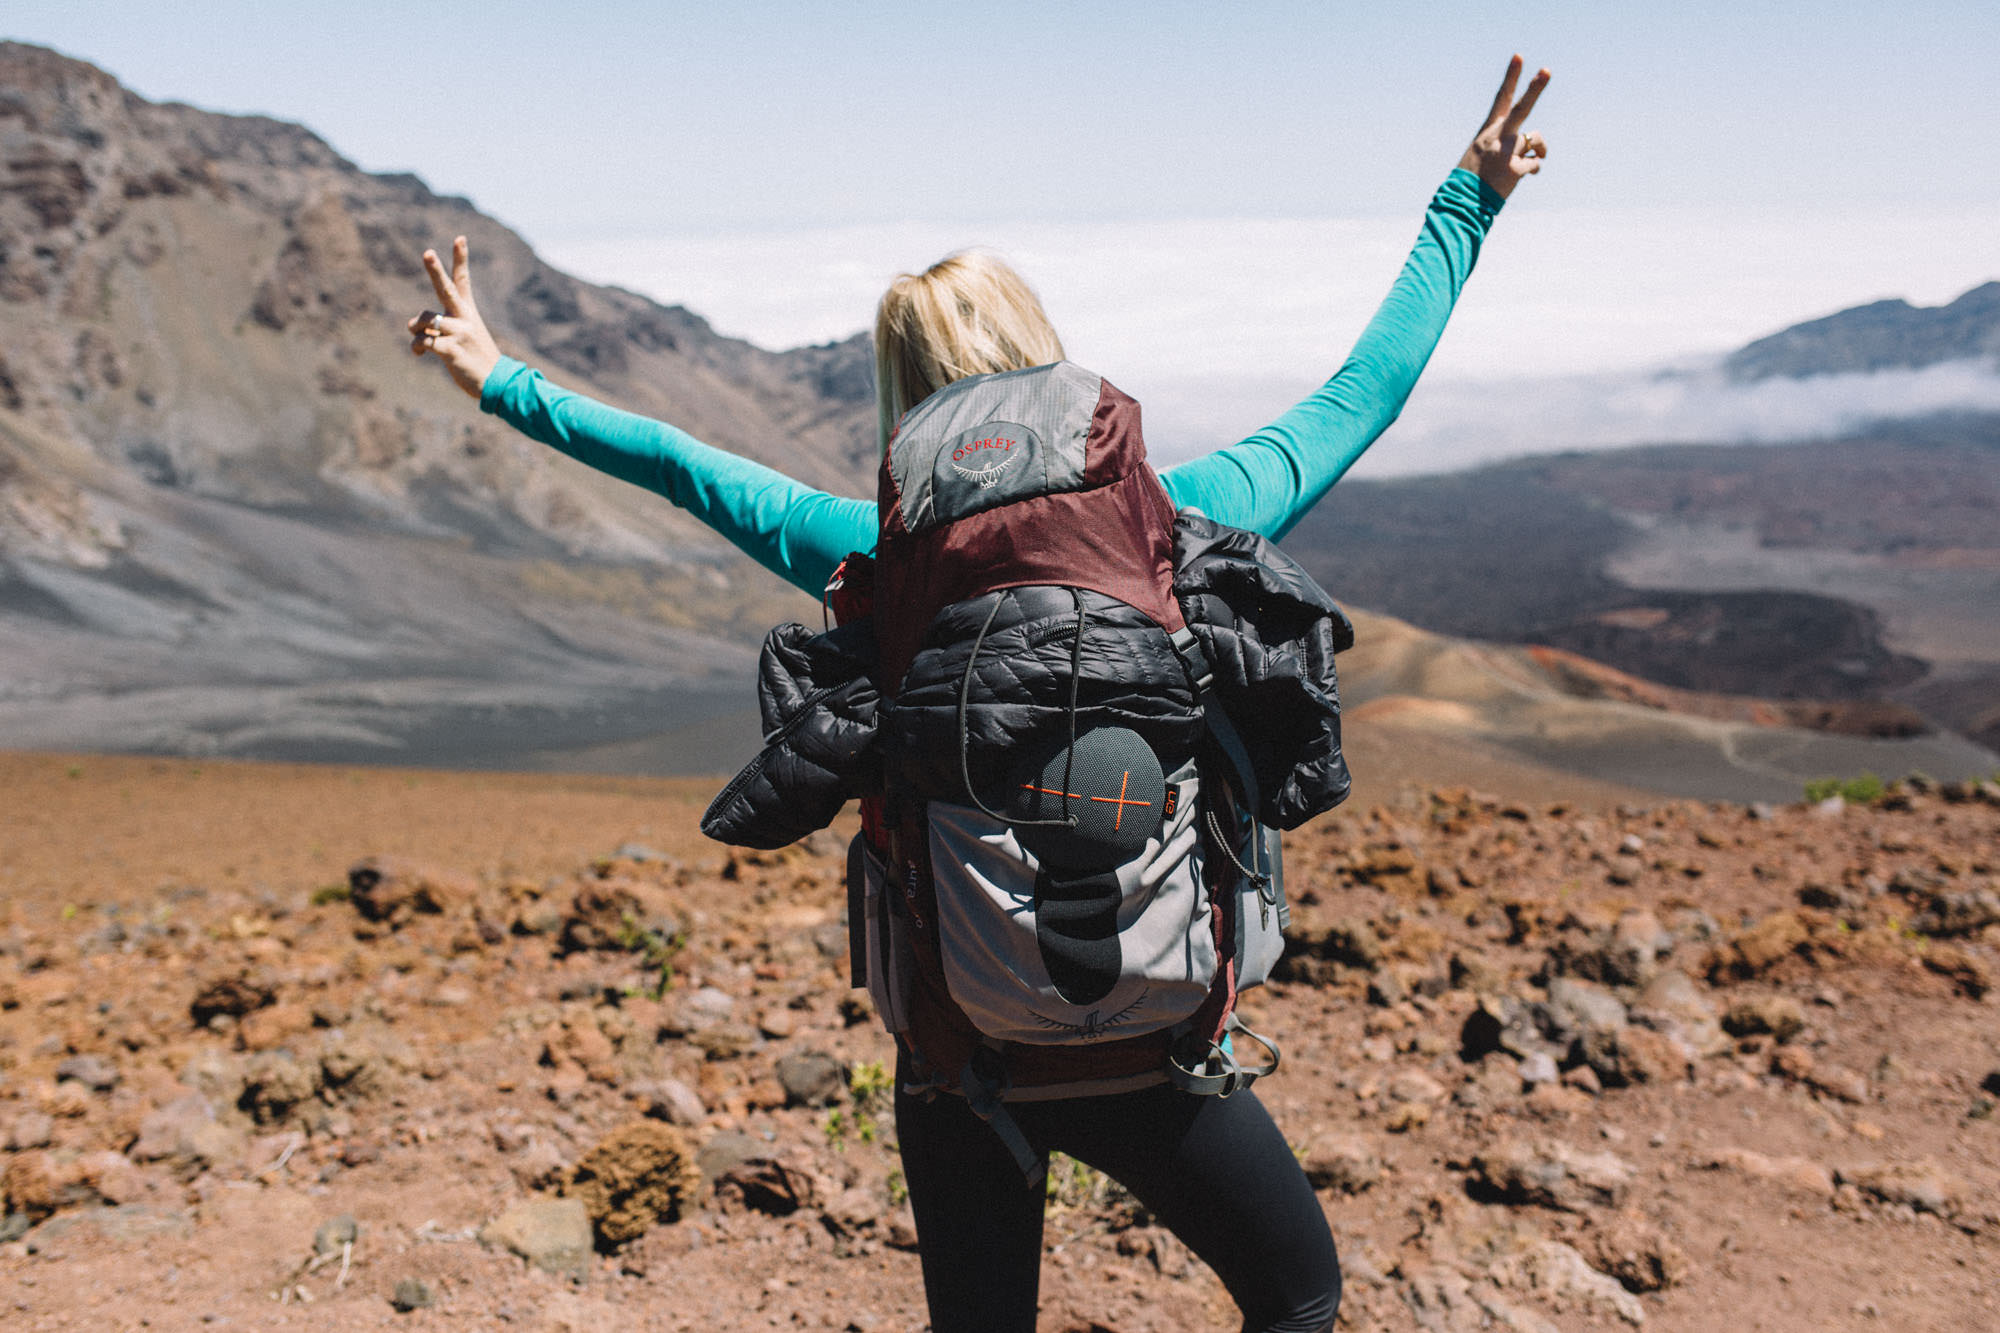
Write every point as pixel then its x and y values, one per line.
pixel 1218 325
pixel 1457 423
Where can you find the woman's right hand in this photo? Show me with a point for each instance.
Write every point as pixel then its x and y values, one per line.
pixel 458 337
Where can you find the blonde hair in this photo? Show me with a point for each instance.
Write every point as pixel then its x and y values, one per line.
pixel 967 314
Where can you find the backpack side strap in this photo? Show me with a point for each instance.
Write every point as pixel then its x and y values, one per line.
pixel 1217 1072
pixel 984 1093
pixel 1262 870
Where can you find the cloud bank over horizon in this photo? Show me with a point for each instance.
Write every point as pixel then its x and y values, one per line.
pixel 1218 325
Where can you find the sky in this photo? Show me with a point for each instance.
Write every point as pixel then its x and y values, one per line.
pixel 1210 198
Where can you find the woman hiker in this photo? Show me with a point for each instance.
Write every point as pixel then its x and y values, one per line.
pixel 1215 1170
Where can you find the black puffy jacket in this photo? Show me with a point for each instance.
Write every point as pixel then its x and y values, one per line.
pixel 1267 629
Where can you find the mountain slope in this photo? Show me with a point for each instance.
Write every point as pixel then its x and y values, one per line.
pixel 1861 573
pixel 236 514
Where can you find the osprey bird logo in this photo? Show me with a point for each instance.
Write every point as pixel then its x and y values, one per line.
pixel 986 453
pixel 1094 1024
pixel 989 465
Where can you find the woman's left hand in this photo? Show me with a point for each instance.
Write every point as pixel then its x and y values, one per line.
pixel 1503 151
pixel 458 337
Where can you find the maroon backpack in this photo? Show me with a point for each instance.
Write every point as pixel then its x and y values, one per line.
pixel 1064 883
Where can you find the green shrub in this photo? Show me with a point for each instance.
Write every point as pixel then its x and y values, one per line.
pixel 871 1085
pixel 1862 789
pixel 656 950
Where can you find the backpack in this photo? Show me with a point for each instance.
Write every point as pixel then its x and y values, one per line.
pixel 1069 867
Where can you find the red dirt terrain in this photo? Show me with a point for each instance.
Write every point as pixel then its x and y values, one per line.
pixel 290 1047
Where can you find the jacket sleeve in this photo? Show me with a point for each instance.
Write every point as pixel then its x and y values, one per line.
pixel 818 704
pixel 1267 482
pixel 1270 634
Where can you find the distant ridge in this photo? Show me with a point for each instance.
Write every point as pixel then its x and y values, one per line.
pixel 237 516
pixel 1883 335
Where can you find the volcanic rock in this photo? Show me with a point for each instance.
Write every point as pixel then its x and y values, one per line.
pixel 266 1028
pixel 113 1176
pixel 1351 941
pixel 1576 1007
pixel 617 914
pixel 31 1184
pixel 1626 1055
pixel 673 1101
pixel 554 1235
pixel 235 992
pixel 1559 1275
pixel 1924 1186
pixel 1796 1173
pixel 1553 1175
pixel 92 1071
pixel 1672 1004
pixel 1958 912
pixel 779 1186
pixel 352 1066
pixel 1441 1301
pixel 1838 1082
pixel 1639 1253
pixel 185 1134
pixel 393 890
pixel 1539 1068
pixel 1970 974
pixel 812 1078
pixel 1625 954
pixel 1503 1023
pixel 30 1129
pixel 215 1074
pixel 725 1152
pixel 852 1211
pixel 1755 951
pixel 1391 867
pixel 697 1011
pixel 1342 1162
pixel 640 1174
pixel 275 1085
pixel 577 1039
pixel 1780 1016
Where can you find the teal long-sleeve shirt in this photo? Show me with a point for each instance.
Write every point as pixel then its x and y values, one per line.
pixel 1265 483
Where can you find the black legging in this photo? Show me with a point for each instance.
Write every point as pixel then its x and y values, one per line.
pixel 1214 1170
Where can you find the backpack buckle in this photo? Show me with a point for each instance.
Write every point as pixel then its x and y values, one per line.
pixel 1215 1071
pixel 1194 659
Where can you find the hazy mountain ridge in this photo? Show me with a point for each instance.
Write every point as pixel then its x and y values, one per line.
pixel 1882 335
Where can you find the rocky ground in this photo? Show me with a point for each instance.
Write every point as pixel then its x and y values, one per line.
pixel 500 1052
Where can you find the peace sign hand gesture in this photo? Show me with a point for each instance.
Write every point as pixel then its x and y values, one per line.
pixel 1502 152
pixel 458 337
